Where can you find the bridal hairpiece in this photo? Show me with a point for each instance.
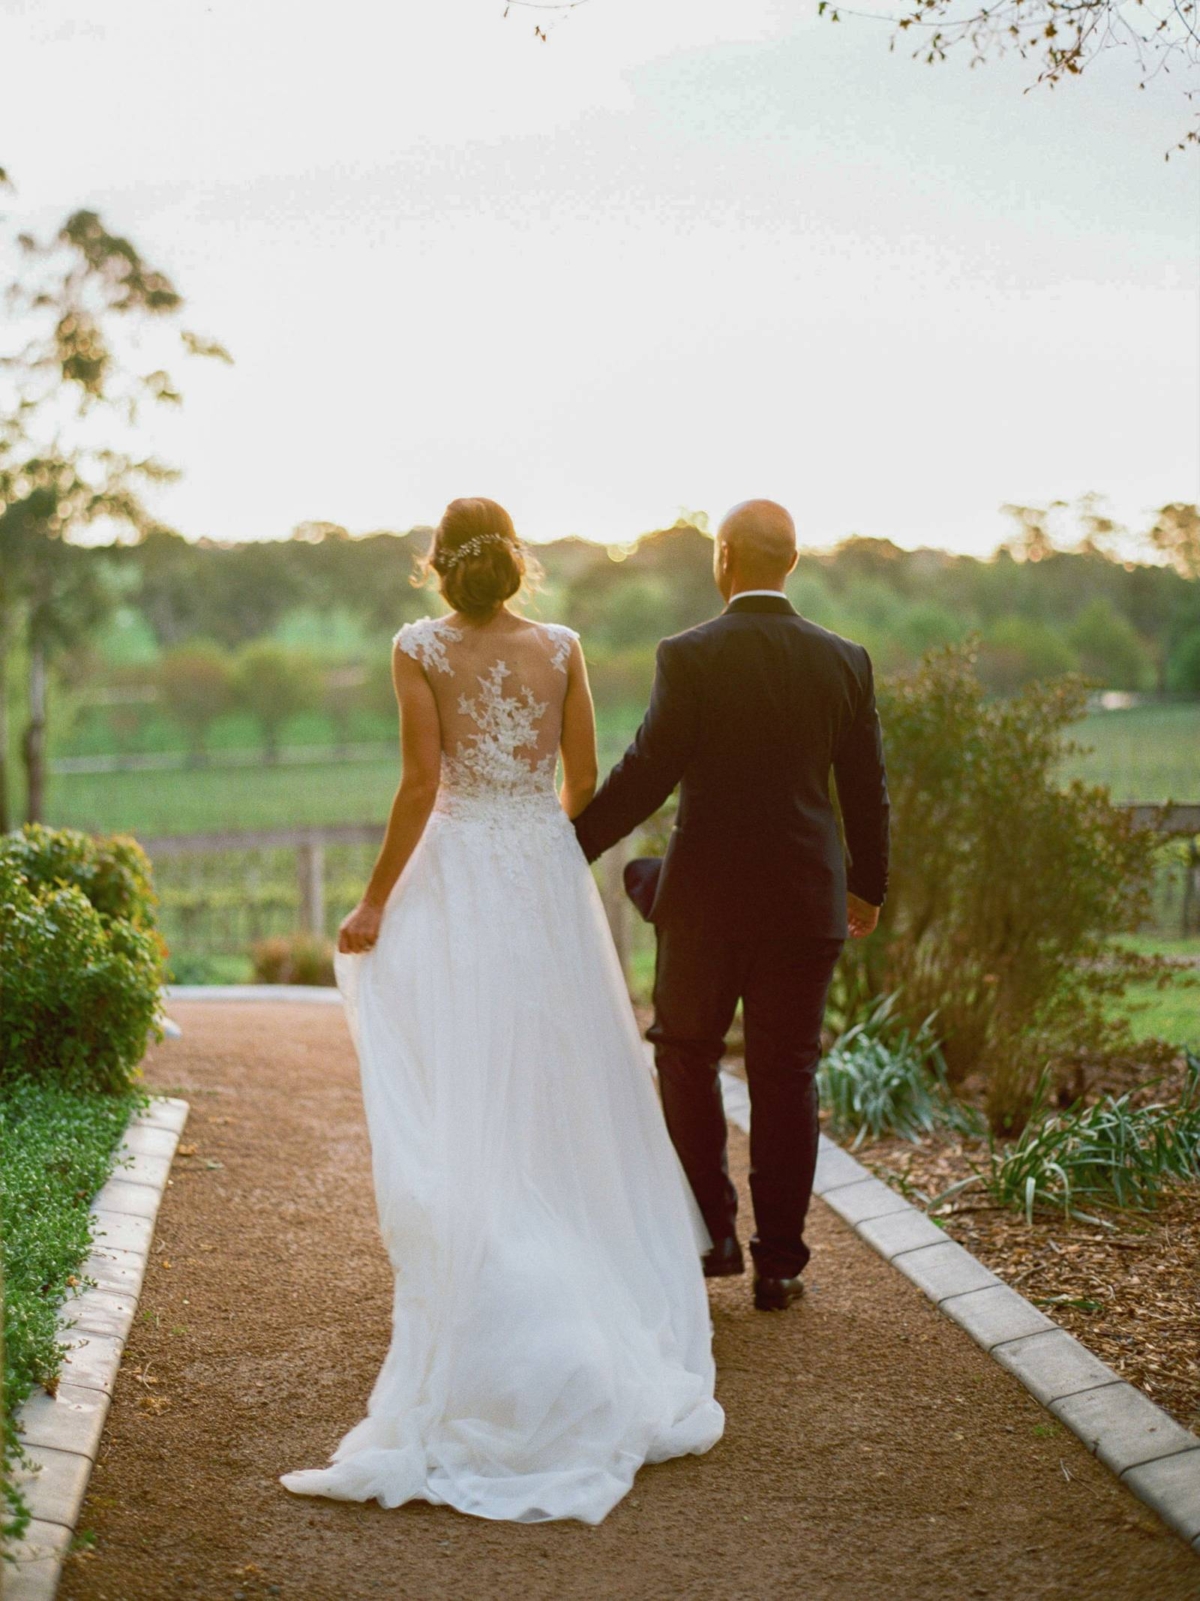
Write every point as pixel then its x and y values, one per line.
pixel 472 547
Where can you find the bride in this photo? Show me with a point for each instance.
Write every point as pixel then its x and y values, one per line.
pixel 550 1327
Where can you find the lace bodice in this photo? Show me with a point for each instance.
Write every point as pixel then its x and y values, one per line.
pixel 500 696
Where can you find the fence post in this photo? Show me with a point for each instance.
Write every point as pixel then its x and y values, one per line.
pixel 616 902
pixel 310 869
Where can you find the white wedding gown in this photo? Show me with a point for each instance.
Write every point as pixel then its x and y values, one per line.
pixel 550 1327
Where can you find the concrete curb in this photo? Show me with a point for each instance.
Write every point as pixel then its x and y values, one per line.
pixel 314 994
pixel 1152 1455
pixel 61 1432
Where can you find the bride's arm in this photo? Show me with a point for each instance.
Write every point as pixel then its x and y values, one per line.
pixel 580 769
pixel 421 750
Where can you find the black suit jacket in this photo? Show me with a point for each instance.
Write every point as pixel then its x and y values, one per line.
pixel 748 715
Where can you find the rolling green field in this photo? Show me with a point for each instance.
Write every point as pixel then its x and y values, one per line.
pixel 1150 753
pixel 217 796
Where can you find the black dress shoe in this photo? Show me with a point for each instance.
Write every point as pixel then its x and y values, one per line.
pixel 724 1260
pixel 776 1295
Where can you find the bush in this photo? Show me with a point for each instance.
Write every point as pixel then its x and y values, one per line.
pixel 114 874
pixel 273 683
pixel 1111 1153
pixel 881 1078
pixel 58 1151
pixel 1006 887
pixel 293 959
pixel 79 977
pixel 196 681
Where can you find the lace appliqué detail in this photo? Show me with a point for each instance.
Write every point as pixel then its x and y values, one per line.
pixel 487 764
pixel 426 640
pixel 561 639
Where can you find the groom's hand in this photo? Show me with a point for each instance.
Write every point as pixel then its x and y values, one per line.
pixel 861 916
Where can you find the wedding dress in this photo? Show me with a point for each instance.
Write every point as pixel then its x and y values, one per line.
pixel 550 1326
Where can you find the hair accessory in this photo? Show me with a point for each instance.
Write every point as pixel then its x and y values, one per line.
pixel 472 547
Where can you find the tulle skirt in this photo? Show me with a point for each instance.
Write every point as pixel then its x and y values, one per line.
pixel 550 1330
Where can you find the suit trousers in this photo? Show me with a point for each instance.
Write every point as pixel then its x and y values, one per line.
pixel 782 981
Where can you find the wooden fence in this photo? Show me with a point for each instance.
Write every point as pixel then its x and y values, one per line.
pixel 310 844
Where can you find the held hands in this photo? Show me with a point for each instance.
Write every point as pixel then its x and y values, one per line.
pixel 861 916
pixel 360 930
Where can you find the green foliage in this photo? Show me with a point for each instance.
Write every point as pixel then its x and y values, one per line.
pixel 1183 669
pixel 197 686
pixel 79 981
pixel 113 874
pixel 273 683
pixel 293 959
pixel 58 1150
pixel 1018 651
pixel 1006 885
pixel 880 1078
pixel 1112 1153
pixel 1108 647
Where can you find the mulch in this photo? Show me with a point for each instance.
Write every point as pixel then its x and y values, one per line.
pixel 871 1450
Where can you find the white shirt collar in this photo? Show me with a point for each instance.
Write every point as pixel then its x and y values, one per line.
pixel 744 594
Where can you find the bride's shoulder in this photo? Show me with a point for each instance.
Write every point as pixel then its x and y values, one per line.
pixel 425 640
pixel 560 639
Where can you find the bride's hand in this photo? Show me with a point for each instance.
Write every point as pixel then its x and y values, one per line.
pixel 360 930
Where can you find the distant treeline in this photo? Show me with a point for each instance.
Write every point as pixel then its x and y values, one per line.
pixel 1127 626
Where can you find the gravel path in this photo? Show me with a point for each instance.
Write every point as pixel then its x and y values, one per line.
pixel 871 1450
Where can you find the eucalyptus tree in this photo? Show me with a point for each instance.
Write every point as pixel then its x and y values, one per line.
pixel 85 310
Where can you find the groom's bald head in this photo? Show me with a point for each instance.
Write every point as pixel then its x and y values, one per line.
pixel 756 547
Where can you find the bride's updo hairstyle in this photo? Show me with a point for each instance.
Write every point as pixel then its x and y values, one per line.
pixel 479 561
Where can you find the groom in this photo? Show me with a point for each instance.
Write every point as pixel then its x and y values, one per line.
pixel 748 714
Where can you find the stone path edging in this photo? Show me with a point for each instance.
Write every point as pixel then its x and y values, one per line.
pixel 1155 1457
pixel 317 994
pixel 61 1433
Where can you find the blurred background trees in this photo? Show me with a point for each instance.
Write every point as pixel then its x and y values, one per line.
pixel 165 621
pixel 73 386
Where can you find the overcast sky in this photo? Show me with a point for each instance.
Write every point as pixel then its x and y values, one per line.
pixel 687 252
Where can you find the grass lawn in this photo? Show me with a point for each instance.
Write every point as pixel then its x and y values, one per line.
pixel 263 796
pixel 1149 753
pixel 1173 1013
pixel 58 1151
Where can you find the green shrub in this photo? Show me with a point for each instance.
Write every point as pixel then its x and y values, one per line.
pixel 79 976
pixel 114 874
pixel 880 1078
pixel 1006 887
pixel 1110 1154
pixel 293 959
pixel 58 1150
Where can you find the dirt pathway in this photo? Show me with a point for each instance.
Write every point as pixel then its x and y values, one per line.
pixel 872 1451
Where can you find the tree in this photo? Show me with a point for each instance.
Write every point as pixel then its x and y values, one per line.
pixel 1018 651
pixel 1183 668
pixel 68 446
pixel 1063 37
pixel 1176 535
pixel 273 684
pixel 1108 647
pixel 197 687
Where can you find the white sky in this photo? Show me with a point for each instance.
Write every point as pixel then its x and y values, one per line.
pixel 687 252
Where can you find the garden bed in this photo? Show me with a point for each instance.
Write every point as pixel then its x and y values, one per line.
pixel 1129 1291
